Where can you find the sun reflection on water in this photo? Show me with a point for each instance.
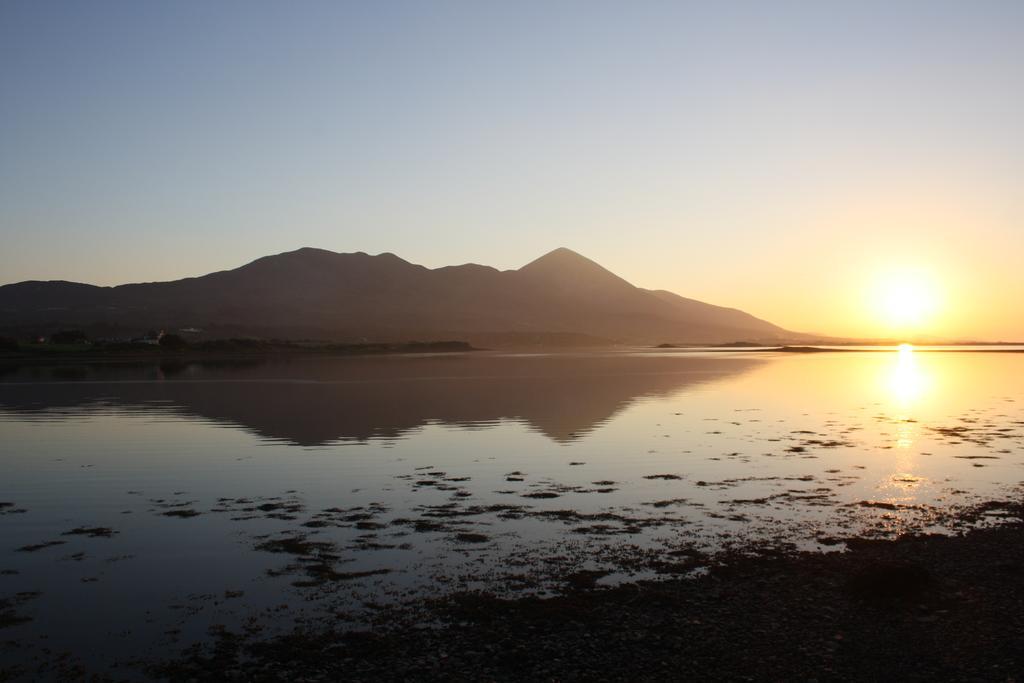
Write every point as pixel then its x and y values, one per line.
pixel 907 385
pixel 907 382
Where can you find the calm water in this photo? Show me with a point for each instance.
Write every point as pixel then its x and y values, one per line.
pixel 217 494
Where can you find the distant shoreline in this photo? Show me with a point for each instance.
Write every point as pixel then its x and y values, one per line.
pixel 257 349
pixel 851 348
pixel 220 349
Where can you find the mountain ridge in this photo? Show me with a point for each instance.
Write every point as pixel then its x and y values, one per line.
pixel 317 293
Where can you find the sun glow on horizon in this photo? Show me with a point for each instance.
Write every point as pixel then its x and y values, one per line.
pixel 905 300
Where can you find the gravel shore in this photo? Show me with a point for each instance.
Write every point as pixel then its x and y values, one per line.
pixel 918 608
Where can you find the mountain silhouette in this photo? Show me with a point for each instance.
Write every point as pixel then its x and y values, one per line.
pixel 314 293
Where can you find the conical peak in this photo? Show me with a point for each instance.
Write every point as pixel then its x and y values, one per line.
pixel 559 258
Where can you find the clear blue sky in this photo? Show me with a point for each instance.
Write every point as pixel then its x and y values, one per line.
pixel 729 151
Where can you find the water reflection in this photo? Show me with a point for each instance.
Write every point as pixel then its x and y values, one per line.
pixel 318 401
pixel 908 383
pixel 692 454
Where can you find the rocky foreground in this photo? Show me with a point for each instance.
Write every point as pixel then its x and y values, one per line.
pixel 919 608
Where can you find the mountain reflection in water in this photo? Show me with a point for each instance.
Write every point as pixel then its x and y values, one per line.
pixel 316 401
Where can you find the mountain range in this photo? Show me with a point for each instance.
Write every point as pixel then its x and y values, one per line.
pixel 559 298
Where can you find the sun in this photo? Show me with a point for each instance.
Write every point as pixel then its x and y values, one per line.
pixel 906 300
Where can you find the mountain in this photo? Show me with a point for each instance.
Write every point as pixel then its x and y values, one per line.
pixel 313 293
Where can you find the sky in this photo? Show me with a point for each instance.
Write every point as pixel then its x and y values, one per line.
pixel 793 159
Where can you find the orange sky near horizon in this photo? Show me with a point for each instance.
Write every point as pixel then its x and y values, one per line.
pixel 838 279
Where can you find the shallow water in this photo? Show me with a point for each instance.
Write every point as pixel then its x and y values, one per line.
pixel 208 494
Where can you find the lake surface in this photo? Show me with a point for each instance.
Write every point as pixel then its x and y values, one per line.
pixel 144 504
